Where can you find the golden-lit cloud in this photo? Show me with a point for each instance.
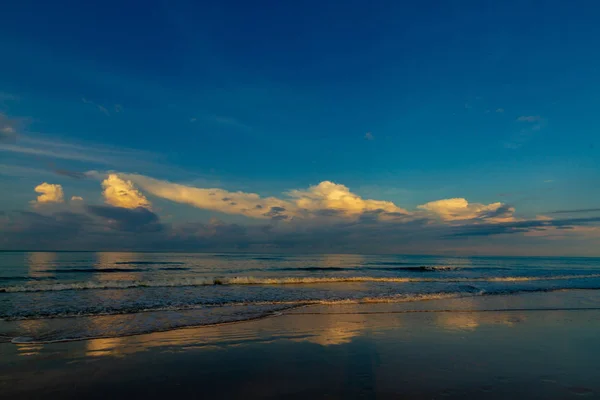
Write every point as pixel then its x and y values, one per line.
pixel 331 196
pixel 307 203
pixel 121 193
pixel 248 204
pixel 458 209
pixel 76 198
pixel 50 193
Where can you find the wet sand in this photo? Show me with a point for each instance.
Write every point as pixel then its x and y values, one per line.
pixel 541 345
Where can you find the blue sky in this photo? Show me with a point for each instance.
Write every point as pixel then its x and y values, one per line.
pixel 493 102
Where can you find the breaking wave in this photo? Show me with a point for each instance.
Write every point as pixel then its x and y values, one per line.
pixel 249 280
pixel 422 268
pixel 148 263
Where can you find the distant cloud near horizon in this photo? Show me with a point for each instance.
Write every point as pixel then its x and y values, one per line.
pixel 458 209
pixel 321 218
pixel 582 210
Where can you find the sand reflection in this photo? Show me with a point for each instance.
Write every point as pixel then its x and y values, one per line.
pixel 30 329
pixel 474 320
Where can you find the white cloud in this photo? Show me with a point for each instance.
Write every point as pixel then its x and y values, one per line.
pixel 50 193
pixel 458 209
pixel 76 198
pixel 121 193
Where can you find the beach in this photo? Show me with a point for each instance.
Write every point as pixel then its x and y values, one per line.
pixel 532 345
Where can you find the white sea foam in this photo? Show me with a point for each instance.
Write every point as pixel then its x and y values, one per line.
pixel 250 280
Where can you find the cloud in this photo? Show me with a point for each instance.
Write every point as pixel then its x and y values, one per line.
pixel 458 209
pixel 228 121
pixel 104 110
pixel 500 110
pixel 76 198
pixel 121 193
pixel 306 203
pixel 98 106
pixel 520 226
pixel 369 136
pixel 581 210
pixel 529 118
pixel 114 228
pixel 36 231
pixel 129 220
pixel 8 131
pixel 331 196
pixel 7 97
pixel 529 127
pixel 248 204
pixel 70 174
pixel 91 153
pixel 50 193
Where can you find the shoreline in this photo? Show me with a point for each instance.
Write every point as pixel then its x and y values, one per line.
pixel 420 304
pixel 449 348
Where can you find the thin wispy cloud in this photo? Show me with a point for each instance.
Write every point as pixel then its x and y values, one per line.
pixel 576 211
pixel 229 121
pixel 369 136
pixel 117 108
pixel 8 128
pixel 528 127
pixel 69 173
pixel 90 153
pixel 6 98
pixel 529 118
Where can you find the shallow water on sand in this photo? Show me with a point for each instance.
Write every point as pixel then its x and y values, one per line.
pixel 535 345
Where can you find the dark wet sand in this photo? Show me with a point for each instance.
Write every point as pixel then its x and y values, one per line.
pixel 544 346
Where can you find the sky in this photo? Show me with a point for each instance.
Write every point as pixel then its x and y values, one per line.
pixel 465 128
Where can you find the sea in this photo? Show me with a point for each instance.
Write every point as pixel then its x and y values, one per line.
pixel 61 296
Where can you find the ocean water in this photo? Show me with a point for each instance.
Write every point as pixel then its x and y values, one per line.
pixel 54 296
